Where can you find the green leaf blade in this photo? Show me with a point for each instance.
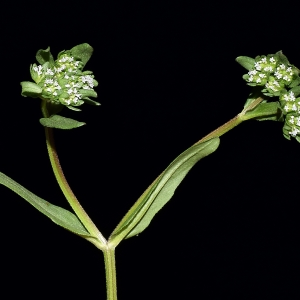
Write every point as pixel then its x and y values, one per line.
pixel 246 62
pixel 43 56
pixel 58 215
pixel 30 89
pixel 83 52
pixel 60 122
pixel 160 191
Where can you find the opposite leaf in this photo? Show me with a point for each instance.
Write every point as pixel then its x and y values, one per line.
pixel 60 122
pixel 160 192
pixel 58 215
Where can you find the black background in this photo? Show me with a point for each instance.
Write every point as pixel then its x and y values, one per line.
pixel 167 76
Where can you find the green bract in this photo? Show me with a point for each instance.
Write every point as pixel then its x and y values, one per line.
pixel 274 76
pixel 62 81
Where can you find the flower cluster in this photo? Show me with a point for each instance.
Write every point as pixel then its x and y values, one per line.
pixel 291 108
pixel 271 73
pixel 277 77
pixel 64 82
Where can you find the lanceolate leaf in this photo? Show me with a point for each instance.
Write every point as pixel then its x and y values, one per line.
pixel 60 122
pixel 58 215
pixel 160 191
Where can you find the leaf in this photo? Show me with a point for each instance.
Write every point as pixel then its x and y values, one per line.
pixel 83 52
pixel 58 215
pixel 296 90
pixel 295 83
pixel 30 89
pixel 160 191
pixel 282 58
pixel 88 93
pixel 43 56
pixel 90 101
pixel 246 62
pixel 60 122
pixel 73 108
pixel 265 111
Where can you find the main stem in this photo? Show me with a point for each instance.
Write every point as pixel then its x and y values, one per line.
pixel 62 181
pixel 110 273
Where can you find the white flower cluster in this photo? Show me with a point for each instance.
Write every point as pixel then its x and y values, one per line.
pixel 294 124
pixel 291 107
pixel 272 74
pixel 277 77
pixel 64 82
pixel 289 102
pixel 261 71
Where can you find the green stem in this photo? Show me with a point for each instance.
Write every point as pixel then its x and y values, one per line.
pixel 232 123
pixel 60 177
pixel 110 273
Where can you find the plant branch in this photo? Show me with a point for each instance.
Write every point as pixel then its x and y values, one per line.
pixel 232 123
pixel 60 177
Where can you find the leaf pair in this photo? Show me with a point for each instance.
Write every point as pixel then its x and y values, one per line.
pixel 140 215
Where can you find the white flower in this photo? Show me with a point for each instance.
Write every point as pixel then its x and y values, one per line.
pixel 48 81
pixel 272 60
pixel 253 72
pixel 49 72
pixel 257 66
pixel 38 69
pixel 268 69
pixel 277 75
pixel 282 66
pixel 294 132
